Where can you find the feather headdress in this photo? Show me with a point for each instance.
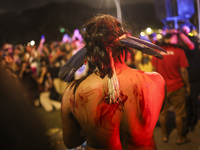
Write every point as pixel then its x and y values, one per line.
pixel 78 59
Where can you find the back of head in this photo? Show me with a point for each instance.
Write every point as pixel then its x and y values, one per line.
pixel 186 28
pixel 173 39
pixel 101 37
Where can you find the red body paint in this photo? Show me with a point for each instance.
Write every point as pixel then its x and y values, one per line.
pixel 105 111
pixel 73 103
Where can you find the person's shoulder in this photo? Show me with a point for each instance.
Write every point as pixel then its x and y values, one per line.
pixel 176 48
pixel 93 80
pixel 154 76
pixel 179 51
pixel 153 82
pixel 157 79
pixel 69 90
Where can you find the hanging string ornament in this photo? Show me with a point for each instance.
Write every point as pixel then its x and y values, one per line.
pixel 113 83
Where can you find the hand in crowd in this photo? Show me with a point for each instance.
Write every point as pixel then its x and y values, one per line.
pixel 44 71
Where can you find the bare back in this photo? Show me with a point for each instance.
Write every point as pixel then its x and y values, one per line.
pixel 127 125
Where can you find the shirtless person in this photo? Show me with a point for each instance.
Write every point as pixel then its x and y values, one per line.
pixel 116 107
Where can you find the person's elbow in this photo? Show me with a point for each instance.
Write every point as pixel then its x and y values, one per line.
pixel 183 70
pixel 191 46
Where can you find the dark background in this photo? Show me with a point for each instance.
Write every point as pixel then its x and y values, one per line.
pixel 20 27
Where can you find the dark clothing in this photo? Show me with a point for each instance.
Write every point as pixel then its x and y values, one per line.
pixel 20 126
pixel 30 86
pixel 193 57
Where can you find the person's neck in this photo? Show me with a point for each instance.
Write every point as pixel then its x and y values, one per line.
pixel 119 67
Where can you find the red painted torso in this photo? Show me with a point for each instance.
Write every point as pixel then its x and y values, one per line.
pixel 115 126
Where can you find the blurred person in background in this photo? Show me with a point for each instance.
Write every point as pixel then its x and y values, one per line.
pixel 48 99
pixel 17 58
pixel 32 55
pixel 173 68
pixel 29 82
pixel 130 56
pixel 8 55
pixel 142 60
pixel 193 56
pixel 153 38
pixel 57 58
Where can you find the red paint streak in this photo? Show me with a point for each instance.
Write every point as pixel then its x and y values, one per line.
pixel 81 97
pixel 105 111
pixel 81 100
pixel 142 99
pixel 73 103
pixel 145 110
pixel 142 107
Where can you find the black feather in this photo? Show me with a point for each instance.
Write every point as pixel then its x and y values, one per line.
pixel 73 64
pixel 78 59
pixel 149 44
pixel 143 46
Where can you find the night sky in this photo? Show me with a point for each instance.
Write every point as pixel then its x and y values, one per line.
pixel 21 5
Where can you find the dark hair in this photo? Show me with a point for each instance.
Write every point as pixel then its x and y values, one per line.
pixel 101 37
pixel 180 42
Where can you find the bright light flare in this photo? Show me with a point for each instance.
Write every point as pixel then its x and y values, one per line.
pixel 159 30
pixel 159 36
pixel 62 30
pixel 149 30
pixel 32 43
pixel 142 33
pixel 190 34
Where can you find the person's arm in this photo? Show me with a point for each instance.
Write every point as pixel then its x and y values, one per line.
pixel 54 57
pixel 185 38
pixel 41 45
pixel 187 41
pixel 73 134
pixel 22 70
pixel 41 77
pixel 184 75
pixel 49 79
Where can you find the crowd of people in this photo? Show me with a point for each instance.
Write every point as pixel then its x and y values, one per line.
pixel 37 67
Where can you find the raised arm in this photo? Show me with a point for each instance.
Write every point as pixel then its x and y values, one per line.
pixel 187 41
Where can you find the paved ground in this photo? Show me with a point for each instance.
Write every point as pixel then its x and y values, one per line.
pixel 52 123
pixel 171 145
